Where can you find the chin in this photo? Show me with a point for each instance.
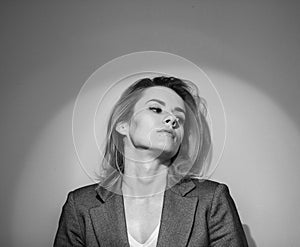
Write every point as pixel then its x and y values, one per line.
pixel 167 152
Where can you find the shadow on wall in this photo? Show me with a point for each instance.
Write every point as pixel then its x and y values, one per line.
pixel 250 239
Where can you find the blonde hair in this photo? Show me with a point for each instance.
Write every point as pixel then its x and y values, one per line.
pixel 112 164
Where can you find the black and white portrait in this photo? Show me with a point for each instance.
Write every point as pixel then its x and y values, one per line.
pixel 150 123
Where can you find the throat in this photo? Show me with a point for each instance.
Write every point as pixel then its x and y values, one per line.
pixel 144 185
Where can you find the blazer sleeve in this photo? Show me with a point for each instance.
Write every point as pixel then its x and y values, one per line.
pixel 69 232
pixel 225 227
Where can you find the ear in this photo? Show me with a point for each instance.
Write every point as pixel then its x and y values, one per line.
pixel 122 128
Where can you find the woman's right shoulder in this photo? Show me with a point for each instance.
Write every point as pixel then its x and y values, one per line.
pixel 86 195
pixel 91 188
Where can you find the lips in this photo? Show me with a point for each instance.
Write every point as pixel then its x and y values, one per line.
pixel 168 132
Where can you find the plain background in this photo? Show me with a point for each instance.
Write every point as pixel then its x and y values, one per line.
pixel 249 49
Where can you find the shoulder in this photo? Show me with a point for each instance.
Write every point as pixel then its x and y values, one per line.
pixel 207 185
pixel 85 196
pixel 208 189
pixel 83 191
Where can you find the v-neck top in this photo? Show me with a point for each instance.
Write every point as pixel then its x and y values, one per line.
pixel 151 241
pixel 100 213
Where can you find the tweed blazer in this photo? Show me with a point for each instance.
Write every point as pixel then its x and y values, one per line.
pixel 195 213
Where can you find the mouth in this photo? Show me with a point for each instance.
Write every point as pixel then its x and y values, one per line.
pixel 168 132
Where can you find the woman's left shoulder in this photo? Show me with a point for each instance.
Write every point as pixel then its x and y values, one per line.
pixel 208 188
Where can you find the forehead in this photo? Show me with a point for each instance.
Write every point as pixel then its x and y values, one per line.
pixel 167 95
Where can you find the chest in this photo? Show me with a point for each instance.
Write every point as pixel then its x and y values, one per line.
pixel 142 215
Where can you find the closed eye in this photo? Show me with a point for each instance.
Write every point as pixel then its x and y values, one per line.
pixel 155 109
pixel 180 120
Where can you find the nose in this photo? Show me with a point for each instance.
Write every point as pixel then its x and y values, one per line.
pixel 171 121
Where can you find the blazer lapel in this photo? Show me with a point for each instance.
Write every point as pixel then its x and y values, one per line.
pixel 177 216
pixel 109 220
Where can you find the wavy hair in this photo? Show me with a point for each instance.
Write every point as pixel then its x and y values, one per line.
pixel 122 111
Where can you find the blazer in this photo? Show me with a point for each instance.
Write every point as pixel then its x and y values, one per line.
pixel 195 213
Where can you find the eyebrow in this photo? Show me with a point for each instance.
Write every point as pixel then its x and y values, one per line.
pixel 164 104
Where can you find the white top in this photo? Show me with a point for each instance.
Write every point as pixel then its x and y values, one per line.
pixel 151 241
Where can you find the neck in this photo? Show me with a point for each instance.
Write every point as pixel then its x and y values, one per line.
pixel 144 179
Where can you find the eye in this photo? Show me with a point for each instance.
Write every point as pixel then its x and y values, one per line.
pixel 155 109
pixel 180 120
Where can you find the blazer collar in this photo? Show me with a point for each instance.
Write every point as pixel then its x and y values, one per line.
pixel 176 220
pixel 182 188
pixel 108 191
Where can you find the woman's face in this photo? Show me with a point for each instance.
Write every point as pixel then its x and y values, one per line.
pixel 157 123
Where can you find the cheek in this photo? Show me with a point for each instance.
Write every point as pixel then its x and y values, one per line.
pixel 143 123
pixel 181 133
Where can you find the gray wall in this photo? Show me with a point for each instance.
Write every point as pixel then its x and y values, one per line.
pixel 249 49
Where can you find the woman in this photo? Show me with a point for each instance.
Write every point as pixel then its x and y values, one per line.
pixel 151 192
